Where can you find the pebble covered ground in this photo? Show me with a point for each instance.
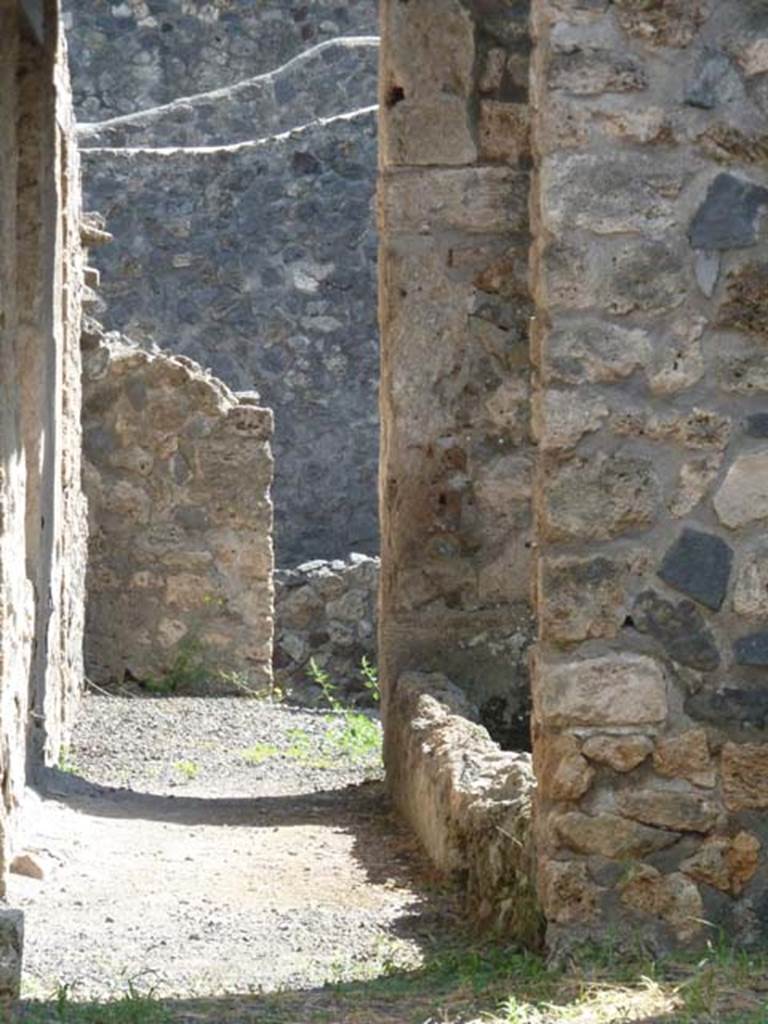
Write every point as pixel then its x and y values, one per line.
pixel 197 846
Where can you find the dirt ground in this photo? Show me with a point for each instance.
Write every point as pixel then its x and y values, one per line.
pixel 236 856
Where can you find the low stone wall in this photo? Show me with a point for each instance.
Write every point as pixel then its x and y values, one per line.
pixel 333 77
pixel 325 611
pixel 177 474
pixel 468 801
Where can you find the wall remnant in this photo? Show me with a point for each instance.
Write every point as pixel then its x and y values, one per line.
pixel 649 729
pixel 326 612
pixel 177 472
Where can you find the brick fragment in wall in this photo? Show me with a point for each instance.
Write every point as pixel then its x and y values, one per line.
pixel 674 898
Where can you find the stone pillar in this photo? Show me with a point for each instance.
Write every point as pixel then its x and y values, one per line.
pixel 454 308
pixel 649 268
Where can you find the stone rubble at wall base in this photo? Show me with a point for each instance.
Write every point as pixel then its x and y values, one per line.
pixel 326 612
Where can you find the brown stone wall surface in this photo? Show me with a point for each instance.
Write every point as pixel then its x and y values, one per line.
pixel 454 306
pixel 60 594
pixel 178 473
pixel 651 488
pixel 42 521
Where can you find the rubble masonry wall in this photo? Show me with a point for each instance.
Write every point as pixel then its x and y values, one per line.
pixel 649 271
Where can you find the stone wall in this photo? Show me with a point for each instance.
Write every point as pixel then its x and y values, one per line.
pixel 257 260
pixel 42 522
pixel 326 612
pixel 454 306
pixel 332 77
pixel 469 802
pixel 650 266
pixel 173 48
pixel 177 473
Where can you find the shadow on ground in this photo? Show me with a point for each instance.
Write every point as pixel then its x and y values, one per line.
pixel 382 845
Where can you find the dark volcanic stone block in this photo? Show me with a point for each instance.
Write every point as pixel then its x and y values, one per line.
pixel 757 424
pixel 727 219
pixel 680 628
pixel 740 707
pixel 704 89
pixel 699 565
pixel 752 649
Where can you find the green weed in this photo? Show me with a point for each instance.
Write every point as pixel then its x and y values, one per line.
pixel 370 674
pixel 188 769
pixel 259 753
pixel 189 670
pixel 66 762
pixel 353 735
pixel 132 1008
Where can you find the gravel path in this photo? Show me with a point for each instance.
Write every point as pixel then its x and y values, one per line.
pixel 198 846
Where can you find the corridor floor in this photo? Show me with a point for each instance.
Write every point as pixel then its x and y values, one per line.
pixel 196 846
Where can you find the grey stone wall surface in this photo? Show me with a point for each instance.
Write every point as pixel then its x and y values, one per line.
pixel 326 612
pixel 177 474
pixel 258 261
pixel 137 54
pixel 331 78
pixel 651 494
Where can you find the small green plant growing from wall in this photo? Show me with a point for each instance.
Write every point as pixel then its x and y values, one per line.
pixel 370 674
pixel 189 670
